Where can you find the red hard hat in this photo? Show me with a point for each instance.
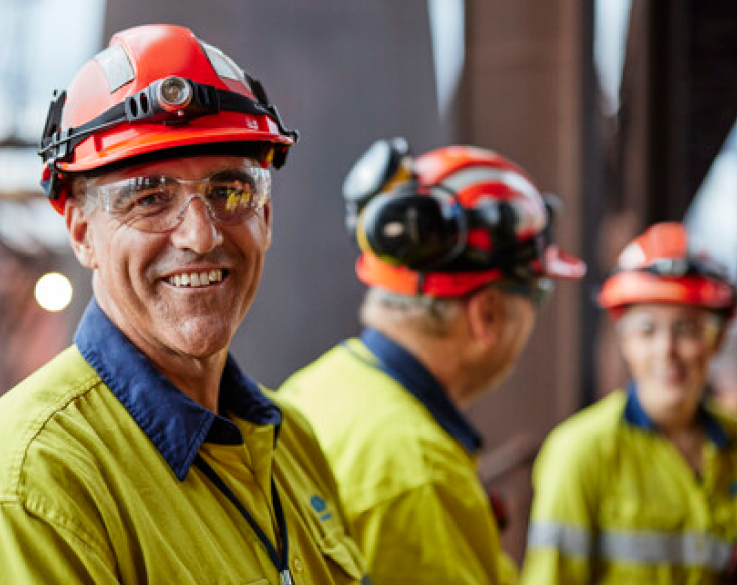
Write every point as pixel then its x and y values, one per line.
pixel 658 267
pixel 506 231
pixel 155 88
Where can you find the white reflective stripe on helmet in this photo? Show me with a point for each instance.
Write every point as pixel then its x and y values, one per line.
pixel 530 209
pixel 689 549
pixel 464 178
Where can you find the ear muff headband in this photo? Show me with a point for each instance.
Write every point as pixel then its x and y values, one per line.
pixel 385 164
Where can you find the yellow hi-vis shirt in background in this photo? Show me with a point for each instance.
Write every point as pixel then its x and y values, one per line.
pixel 99 482
pixel 403 459
pixel 616 503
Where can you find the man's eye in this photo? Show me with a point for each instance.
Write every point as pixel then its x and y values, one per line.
pixel 143 200
pixel 151 199
pixel 644 329
pixel 232 196
pixel 224 191
pixel 687 328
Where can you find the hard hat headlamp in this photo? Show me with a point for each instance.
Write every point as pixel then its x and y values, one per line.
pixel 679 267
pixel 174 94
pixel 171 100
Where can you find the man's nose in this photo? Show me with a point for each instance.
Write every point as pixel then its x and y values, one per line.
pixel 666 339
pixel 197 230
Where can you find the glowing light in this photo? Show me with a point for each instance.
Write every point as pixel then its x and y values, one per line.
pixel 53 292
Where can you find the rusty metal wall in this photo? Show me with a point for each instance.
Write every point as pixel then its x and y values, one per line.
pixel 525 82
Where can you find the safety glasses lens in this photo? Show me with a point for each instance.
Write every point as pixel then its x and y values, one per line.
pixel 157 203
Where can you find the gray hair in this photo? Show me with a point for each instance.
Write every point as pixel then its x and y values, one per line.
pixel 421 313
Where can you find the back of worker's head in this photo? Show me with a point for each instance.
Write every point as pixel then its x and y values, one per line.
pixel 663 265
pixel 157 91
pixel 449 222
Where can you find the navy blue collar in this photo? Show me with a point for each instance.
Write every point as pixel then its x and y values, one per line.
pixel 175 424
pixel 636 416
pixel 401 365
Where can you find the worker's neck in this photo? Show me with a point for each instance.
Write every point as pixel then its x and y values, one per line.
pixel 443 358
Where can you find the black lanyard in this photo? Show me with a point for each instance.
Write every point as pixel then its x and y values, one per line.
pixel 281 563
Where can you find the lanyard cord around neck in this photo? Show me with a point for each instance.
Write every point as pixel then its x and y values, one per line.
pixel 281 563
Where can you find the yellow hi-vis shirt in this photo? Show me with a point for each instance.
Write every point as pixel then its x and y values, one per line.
pixel 410 488
pixel 97 484
pixel 616 503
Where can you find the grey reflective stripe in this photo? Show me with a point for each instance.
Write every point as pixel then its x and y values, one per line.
pixel 689 549
pixel 116 66
pixel 571 541
pixel 685 549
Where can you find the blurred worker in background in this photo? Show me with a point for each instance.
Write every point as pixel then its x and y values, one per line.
pixel 142 454
pixel 642 486
pixel 458 256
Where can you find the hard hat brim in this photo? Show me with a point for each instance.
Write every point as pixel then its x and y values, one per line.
pixel 629 288
pixel 141 140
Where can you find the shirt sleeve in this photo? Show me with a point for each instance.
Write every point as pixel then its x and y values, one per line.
pixel 38 548
pixel 562 528
pixel 425 536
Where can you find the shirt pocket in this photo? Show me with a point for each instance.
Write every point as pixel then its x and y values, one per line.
pixel 343 552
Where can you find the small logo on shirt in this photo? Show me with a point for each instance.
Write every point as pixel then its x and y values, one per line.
pixel 320 506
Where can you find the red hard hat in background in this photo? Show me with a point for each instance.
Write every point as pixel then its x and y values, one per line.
pixel 659 267
pixel 457 218
pixel 155 88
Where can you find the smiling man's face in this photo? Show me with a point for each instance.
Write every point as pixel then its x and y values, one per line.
pixel 183 291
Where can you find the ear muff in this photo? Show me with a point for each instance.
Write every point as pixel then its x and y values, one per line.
pixel 426 229
pixel 419 230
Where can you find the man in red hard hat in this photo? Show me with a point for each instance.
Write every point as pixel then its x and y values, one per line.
pixel 457 252
pixel 142 454
pixel 641 487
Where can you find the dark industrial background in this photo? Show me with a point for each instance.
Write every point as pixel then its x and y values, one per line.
pixel 346 73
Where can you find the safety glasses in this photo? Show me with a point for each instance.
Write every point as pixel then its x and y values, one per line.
pixel 538 290
pixel 702 327
pixel 157 203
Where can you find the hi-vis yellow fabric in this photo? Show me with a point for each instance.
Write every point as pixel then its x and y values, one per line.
pixel 419 512
pixel 615 503
pixel 86 497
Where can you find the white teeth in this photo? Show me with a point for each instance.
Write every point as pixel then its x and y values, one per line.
pixel 199 279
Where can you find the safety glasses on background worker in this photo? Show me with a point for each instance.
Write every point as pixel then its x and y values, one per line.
pixel 697 327
pixel 538 290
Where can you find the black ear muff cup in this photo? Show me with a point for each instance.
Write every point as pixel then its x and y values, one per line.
pixel 411 229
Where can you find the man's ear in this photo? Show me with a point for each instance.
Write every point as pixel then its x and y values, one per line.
pixel 485 313
pixel 78 226
pixel 267 222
